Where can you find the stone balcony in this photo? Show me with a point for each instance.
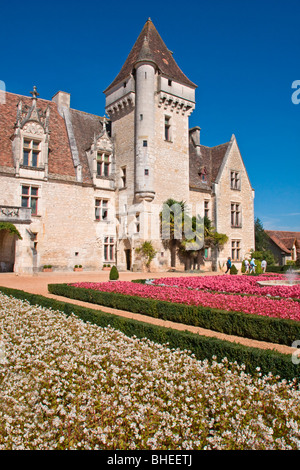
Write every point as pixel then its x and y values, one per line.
pixel 15 215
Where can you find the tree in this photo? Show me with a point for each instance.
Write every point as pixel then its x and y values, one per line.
pixel 172 221
pixel 262 250
pixel 147 251
pixel 261 238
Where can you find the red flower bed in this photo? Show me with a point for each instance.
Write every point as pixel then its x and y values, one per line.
pixel 281 308
pixel 235 284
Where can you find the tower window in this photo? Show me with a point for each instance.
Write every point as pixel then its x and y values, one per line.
pixel 145 143
pixel 167 128
pixel 123 176
pixel 146 172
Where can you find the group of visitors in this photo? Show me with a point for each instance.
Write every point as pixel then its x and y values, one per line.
pixel 249 265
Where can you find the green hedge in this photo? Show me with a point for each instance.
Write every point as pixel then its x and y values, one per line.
pixel 257 327
pixel 203 347
pixel 279 269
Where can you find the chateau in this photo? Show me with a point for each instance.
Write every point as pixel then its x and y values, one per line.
pixel 87 190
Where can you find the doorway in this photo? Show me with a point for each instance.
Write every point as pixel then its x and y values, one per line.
pixel 7 251
pixel 128 259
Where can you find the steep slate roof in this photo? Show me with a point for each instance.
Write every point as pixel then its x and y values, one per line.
pixel 150 46
pixel 85 127
pixel 210 158
pixel 283 239
pixel 60 162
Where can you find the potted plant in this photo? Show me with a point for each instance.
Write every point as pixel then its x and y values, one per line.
pixel 47 268
pixel 106 267
pixel 77 267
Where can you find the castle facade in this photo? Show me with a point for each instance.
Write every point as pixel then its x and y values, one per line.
pixel 88 190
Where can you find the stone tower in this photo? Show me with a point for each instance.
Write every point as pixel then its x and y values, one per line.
pixel 149 103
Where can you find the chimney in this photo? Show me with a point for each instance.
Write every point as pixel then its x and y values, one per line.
pixel 195 134
pixel 62 99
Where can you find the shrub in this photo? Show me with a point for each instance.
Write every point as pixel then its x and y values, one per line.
pixel 233 269
pixel 113 274
pixel 258 327
pixel 203 347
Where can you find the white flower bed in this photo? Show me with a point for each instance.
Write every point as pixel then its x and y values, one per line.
pixel 65 384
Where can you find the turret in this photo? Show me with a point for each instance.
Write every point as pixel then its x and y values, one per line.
pixel 145 68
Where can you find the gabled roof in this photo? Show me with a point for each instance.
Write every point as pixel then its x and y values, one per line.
pixel 210 158
pixel 284 240
pixel 150 47
pixel 60 162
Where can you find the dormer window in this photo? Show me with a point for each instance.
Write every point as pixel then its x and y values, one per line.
pixel 203 175
pixel 103 164
pixel 31 153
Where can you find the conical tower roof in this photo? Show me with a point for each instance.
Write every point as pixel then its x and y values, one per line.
pixel 150 47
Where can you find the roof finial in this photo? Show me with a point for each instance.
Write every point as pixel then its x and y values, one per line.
pixel 34 93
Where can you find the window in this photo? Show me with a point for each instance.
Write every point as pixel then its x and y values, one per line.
pixel 170 82
pixel 31 153
pixel 103 164
pixel 145 143
pixel 236 250
pixel 236 215
pixel 167 128
pixel 29 198
pixel 109 249
pixel 137 222
pixel 123 176
pixel 203 175
pixel 206 209
pixel 235 182
pixel 101 209
pixel 146 172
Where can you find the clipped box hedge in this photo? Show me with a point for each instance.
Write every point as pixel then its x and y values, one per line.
pixel 202 347
pixel 257 327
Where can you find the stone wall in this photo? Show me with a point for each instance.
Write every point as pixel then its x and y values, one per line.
pixel 64 231
pixel 245 197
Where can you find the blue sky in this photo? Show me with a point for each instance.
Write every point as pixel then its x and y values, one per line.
pixel 243 55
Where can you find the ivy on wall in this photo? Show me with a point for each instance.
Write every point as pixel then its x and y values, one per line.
pixel 10 228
